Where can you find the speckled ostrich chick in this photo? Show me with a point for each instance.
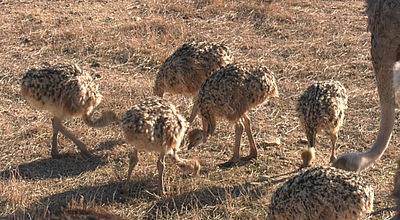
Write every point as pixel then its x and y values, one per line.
pixel 189 66
pixel 154 125
pixel 323 193
pixel 229 93
pixel 65 91
pixel 321 108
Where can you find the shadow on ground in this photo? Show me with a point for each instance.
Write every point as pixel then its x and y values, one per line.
pixel 108 145
pixel 95 195
pixel 212 196
pixel 66 166
pixel 145 189
pixel 163 206
pixel 70 164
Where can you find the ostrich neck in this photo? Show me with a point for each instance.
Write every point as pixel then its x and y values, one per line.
pixel 384 135
pixel 384 78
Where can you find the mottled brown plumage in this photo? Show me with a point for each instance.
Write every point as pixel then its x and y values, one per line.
pixel 154 125
pixel 189 66
pixel 323 193
pixel 229 93
pixel 321 108
pixel 65 91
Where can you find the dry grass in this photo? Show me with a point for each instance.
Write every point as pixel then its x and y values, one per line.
pixel 125 42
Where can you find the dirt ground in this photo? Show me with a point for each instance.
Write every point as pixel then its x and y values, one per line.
pixel 123 43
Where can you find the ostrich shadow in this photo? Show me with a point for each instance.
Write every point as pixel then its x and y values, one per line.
pixel 91 196
pixel 111 193
pixel 108 145
pixel 210 196
pixel 68 165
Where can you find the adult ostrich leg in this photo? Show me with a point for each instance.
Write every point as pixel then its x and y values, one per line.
pixel 384 25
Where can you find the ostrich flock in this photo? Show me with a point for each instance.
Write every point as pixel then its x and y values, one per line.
pixel 224 88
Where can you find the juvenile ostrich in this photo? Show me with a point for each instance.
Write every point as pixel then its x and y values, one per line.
pixel 154 125
pixel 323 193
pixel 321 108
pixel 189 66
pixel 229 93
pixel 383 23
pixel 65 91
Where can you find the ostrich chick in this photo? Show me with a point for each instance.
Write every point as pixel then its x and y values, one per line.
pixel 65 91
pixel 154 125
pixel 323 193
pixel 229 93
pixel 189 66
pixel 321 108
